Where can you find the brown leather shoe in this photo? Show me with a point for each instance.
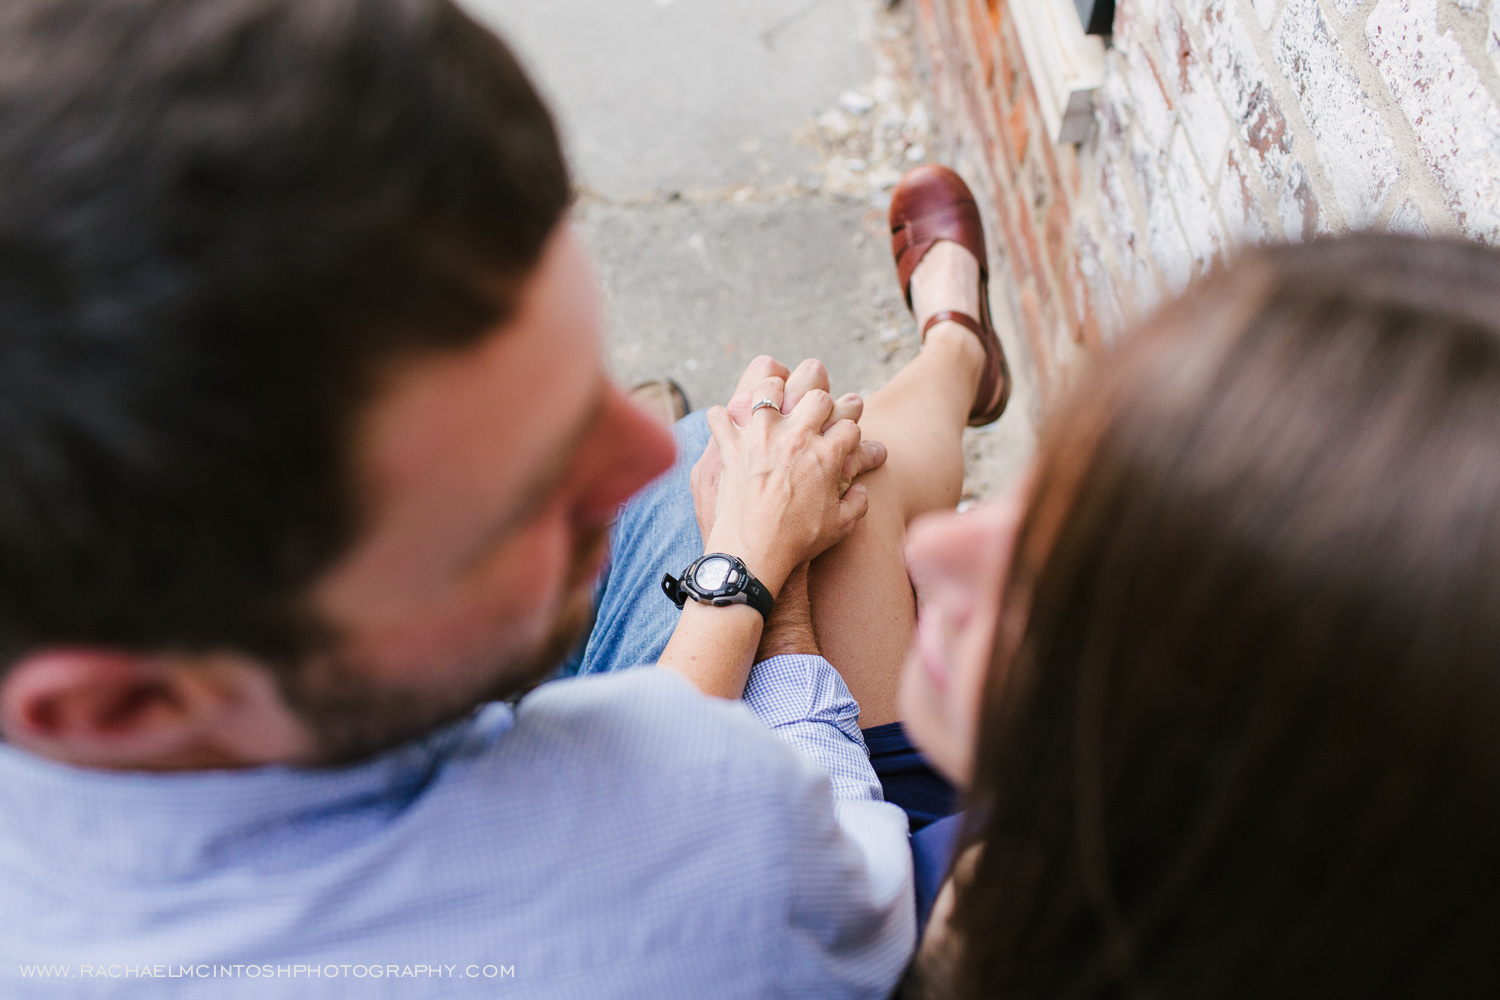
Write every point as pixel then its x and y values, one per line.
pixel 933 203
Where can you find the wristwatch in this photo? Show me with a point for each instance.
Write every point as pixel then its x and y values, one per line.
pixel 718 579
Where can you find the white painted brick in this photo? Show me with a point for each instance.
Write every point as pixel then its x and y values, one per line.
pixel 1359 158
pixel 1231 55
pixel 1121 228
pixel 1145 10
pixel 1114 206
pixel 1197 104
pixel 1169 248
pixel 1301 218
pixel 1241 80
pixel 1113 107
pixel 1408 219
pixel 1195 209
pixel 1493 41
pixel 1456 121
pixel 1198 148
pixel 1153 111
pixel 1242 211
pixel 1101 289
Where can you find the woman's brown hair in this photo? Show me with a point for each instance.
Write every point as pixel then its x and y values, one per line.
pixel 1247 743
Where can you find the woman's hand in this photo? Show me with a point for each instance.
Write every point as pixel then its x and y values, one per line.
pixel 809 375
pixel 773 489
pixel 783 496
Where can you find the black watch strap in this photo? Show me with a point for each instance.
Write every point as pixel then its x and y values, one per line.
pixel 675 591
pixel 746 589
pixel 757 596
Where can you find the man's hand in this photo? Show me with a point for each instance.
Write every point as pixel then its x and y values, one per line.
pixel 810 375
pixel 789 630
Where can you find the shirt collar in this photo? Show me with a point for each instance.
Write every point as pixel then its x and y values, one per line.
pixel 153 825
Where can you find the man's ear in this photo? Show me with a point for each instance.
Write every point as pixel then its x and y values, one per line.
pixel 128 711
pixel 97 707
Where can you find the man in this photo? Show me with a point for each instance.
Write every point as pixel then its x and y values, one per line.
pixel 308 452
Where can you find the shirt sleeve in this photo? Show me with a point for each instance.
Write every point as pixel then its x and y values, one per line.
pixel 805 702
pixel 851 908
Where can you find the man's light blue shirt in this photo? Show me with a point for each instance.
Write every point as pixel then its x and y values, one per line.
pixel 618 835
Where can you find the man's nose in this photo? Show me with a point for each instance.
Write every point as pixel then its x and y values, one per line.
pixel 629 449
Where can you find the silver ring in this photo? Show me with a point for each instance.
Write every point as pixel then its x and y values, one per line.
pixel 764 401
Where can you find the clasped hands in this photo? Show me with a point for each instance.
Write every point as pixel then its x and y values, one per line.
pixel 777 487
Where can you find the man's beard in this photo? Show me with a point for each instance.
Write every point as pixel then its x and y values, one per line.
pixel 353 718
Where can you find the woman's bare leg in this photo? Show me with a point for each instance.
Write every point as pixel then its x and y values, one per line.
pixel 862 601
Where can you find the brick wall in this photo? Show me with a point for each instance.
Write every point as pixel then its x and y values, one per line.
pixel 1219 122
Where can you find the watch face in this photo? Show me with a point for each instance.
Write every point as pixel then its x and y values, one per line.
pixel 711 573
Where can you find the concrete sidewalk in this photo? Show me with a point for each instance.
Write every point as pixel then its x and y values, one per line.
pixel 734 161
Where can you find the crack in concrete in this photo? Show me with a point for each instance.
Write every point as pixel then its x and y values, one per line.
pixel 768 37
pixel 743 194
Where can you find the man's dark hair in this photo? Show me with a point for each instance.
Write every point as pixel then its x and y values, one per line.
pixel 218 218
pixel 1248 744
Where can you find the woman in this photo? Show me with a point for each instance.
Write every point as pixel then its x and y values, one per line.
pixel 1222 682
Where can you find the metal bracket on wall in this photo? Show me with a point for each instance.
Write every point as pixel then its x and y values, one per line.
pixel 1096 16
pixel 1066 65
